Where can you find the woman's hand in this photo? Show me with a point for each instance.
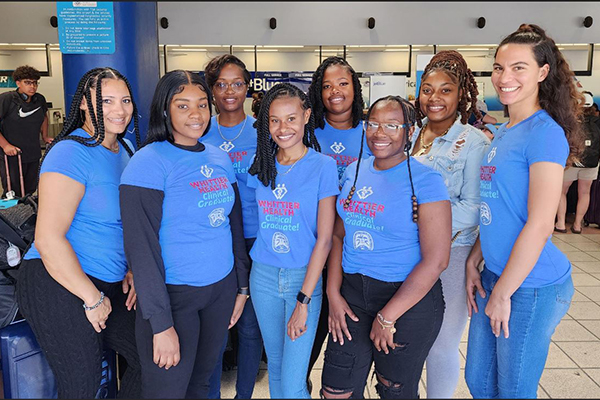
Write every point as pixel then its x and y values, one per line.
pixel 238 309
pixel 338 308
pixel 128 287
pixel 382 338
pixel 296 326
pixel 99 315
pixel 498 310
pixel 473 285
pixel 166 348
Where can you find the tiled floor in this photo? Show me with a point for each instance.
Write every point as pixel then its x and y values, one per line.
pixel 573 365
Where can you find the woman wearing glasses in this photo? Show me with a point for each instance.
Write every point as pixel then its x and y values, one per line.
pixel 391 241
pixel 233 132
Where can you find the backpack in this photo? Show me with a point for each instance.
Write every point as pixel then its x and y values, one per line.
pixel 591 151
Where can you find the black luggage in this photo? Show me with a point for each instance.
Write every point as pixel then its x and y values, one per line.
pixel 26 373
pixel 592 216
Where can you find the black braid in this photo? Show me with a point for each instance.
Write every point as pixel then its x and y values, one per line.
pixel 266 150
pixel 92 79
pixel 410 117
pixel 316 87
pixel 454 65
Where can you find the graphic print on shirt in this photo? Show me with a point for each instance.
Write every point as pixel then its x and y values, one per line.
pixel 491 156
pixel 363 241
pixel 486 213
pixel 364 192
pixel 280 243
pixel 280 191
pixel 362 213
pixel 227 146
pixel 206 171
pixel 337 147
pixel 217 217
pixel 214 191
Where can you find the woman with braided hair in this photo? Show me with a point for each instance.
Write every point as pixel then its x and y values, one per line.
pixel 391 241
pixel 445 142
pixel 75 289
pixel 525 287
pixel 296 188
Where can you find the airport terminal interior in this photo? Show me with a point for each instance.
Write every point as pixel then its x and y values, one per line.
pixel 388 44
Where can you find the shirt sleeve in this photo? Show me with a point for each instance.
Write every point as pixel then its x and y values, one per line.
pixel 68 158
pixel 240 255
pixel 145 169
pixel 141 214
pixel 547 143
pixel 430 187
pixel 329 182
pixel 252 181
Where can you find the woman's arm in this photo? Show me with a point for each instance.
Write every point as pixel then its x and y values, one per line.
pixel 338 307
pixel 240 255
pixel 141 214
pixel 545 185
pixel 474 277
pixel 59 198
pixel 435 229
pixel 325 221
pixel 465 212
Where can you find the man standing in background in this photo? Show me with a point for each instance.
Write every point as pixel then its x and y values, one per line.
pixel 23 116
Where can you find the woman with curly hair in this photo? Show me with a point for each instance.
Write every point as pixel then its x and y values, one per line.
pixel 525 287
pixel 448 144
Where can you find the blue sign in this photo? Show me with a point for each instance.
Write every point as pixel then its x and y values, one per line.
pixel 86 27
pixel 263 81
pixel 7 82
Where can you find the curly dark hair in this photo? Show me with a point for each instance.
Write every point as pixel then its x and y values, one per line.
pixel 410 118
pixel 93 80
pixel 257 98
pixel 266 150
pixel 26 72
pixel 454 65
pixel 316 88
pixel 557 94
pixel 214 67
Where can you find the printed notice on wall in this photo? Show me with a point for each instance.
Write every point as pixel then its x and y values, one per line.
pixel 86 27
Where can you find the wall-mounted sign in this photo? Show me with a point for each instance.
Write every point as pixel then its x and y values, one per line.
pixel 86 27
pixel 7 82
pixel 384 85
pixel 263 81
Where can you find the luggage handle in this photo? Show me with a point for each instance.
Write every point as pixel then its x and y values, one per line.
pixel 8 180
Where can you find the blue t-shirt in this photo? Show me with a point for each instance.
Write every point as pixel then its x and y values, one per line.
pixel 96 233
pixel 241 151
pixel 343 145
pixel 504 184
pixel 287 230
pixel 382 241
pixel 195 235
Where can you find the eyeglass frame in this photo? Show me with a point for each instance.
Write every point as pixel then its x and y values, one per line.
pixel 369 127
pixel 29 82
pixel 225 86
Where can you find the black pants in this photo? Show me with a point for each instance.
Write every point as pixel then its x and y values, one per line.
pixel 201 316
pixel 71 345
pixel 30 176
pixel 346 367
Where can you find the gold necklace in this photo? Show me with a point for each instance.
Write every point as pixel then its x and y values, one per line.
pixel 294 164
pixel 425 147
pixel 237 136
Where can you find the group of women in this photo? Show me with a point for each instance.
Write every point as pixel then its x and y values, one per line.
pixel 305 221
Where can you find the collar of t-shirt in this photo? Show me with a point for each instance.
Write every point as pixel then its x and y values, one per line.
pixel 198 147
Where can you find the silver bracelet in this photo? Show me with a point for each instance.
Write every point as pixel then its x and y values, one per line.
pixel 89 308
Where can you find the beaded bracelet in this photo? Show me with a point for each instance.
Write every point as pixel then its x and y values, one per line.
pixel 89 308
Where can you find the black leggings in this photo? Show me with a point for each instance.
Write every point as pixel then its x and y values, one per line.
pixel 201 316
pixel 71 345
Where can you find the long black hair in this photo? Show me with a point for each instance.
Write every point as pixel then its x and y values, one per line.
pixel 410 118
pixel 266 149
pixel 93 80
pixel 315 91
pixel 160 127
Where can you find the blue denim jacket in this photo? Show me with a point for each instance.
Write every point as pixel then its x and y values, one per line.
pixel 457 156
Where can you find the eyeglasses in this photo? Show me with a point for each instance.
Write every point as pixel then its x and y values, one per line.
pixel 390 129
pixel 31 83
pixel 221 87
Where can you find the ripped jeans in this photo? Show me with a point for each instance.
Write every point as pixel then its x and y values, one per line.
pixel 346 367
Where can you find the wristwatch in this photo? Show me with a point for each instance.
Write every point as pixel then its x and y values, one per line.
pixel 244 291
pixel 302 298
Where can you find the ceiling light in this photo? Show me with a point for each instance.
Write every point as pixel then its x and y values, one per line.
pixel 284 46
pixel 472 49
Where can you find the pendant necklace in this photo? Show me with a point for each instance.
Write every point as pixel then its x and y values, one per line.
pixel 228 143
pixel 425 147
pixel 294 164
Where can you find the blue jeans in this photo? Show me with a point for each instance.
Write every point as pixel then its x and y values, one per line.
pixel 274 292
pixel 512 368
pixel 248 359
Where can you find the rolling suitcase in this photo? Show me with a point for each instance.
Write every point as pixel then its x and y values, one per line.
pixel 11 200
pixel 592 216
pixel 26 373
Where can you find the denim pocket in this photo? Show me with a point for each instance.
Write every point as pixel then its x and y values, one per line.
pixel 565 291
